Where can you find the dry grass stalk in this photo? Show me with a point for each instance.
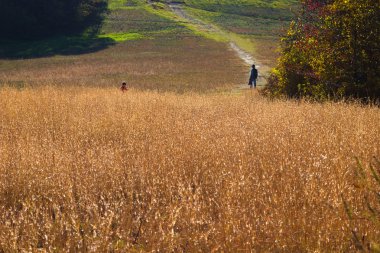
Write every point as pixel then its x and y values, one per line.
pixel 95 170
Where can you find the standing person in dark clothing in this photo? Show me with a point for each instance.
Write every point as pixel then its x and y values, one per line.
pixel 253 77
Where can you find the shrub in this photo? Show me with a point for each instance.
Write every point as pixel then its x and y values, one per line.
pixel 331 50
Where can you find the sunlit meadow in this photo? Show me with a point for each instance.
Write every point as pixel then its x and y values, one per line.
pixel 98 170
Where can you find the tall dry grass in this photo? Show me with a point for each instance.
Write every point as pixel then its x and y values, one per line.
pixel 94 170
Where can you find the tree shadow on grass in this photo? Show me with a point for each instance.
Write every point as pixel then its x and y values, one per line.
pixel 63 45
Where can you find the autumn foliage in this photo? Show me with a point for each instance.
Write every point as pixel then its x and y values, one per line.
pixel 330 50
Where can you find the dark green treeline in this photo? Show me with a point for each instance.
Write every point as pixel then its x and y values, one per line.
pixel 40 18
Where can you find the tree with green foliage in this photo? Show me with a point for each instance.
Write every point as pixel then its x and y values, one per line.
pixel 30 19
pixel 330 50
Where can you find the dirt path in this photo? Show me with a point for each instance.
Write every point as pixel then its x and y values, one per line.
pixel 243 55
pixel 179 11
pixel 246 57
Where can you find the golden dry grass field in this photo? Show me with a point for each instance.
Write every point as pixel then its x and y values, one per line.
pixel 183 161
pixel 97 170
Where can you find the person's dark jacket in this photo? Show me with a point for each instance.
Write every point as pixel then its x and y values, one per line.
pixel 254 75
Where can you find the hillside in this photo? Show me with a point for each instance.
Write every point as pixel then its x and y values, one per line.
pixel 136 44
pixel 255 26
pixel 188 159
pixel 134 27
pixel 270 9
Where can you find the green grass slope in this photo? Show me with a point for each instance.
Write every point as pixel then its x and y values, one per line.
pixel 271 9
pixel 148 47
pixel 261 22
pixel 261 3
pixel 148 50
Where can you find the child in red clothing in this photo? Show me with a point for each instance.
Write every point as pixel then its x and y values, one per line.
pixel 124 87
